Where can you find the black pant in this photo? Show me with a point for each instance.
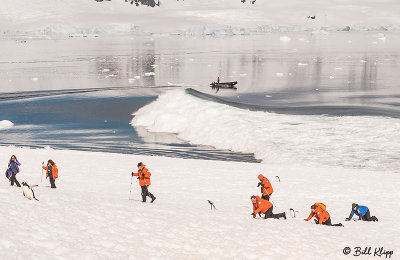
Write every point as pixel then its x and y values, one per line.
pixel 269 214
pixel 328 222
pixel 14 179
pixel 52 181
pixel 367 217
pixel 266 197
pixel 145 192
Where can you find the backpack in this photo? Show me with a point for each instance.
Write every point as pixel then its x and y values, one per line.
pixel 55 172
pixel 321 205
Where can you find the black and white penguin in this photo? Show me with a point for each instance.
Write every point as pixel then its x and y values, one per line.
pixel 28 192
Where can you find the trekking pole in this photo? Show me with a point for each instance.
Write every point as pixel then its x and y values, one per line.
pixel 41 178
pixel 130 190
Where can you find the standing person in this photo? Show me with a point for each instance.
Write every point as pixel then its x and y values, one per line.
pixel 218 80
pixel 362 212
pixel 13 169
pixel 51 172
pixel 266 187
pixel 322 216
pixel 264 206
pixel 144 181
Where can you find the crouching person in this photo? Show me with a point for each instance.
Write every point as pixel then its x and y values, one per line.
pixel 322 216
pixel 362 212
pixel 265 207
pixel 144 181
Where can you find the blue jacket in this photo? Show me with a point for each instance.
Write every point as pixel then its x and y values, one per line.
pixel 360 211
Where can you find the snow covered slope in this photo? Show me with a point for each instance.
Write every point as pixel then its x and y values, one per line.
pixel 58 17
pixel 90 216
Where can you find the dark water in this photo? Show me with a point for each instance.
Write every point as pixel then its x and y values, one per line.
pixel 67 119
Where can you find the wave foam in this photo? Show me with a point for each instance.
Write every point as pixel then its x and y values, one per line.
pixel 349 141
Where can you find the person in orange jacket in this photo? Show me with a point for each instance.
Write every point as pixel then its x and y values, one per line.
pixel 264 206
pixel 322 216
pixel 144 181
pixel 266 187
pixel 51 173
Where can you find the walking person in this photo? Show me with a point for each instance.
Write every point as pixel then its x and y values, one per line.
pixel 13 169
pixel 51 173
pixel 144 181
pixel 264 206
pixel 362 212
pixel 266 187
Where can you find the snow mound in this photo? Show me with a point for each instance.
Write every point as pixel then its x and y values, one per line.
pixel 5 124
pixel 356 142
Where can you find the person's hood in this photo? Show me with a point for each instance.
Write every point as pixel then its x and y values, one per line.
pixel 260 177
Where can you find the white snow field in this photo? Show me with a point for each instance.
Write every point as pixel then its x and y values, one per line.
pixel 193 17
pixel 90 216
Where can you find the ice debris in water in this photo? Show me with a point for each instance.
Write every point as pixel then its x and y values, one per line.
pixel 285 39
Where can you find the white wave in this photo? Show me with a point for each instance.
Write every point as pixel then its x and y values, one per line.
pixel 350 141
pixel 5 124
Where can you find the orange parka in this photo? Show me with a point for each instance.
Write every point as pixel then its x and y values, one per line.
pixel 144 176
pixel 261 205
pixel 54 171
pixel 319 214
pixel 266 187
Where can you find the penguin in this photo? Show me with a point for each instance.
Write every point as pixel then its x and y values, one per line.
pixel 28 192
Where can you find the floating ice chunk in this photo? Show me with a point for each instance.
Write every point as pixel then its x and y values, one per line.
pixel 338 68
pixel 302 64
pixel 331 77
pixel 279 74
pixel 175 84
pixel 268 96
pixel 363 61
pixel 317 89
pixel 34 79
pixel 149 74
pixel 106 70
pixel 137 77
pixel 320 32
pixel 5 124
pixel 285 39
pixel 243 75
pixel 154 65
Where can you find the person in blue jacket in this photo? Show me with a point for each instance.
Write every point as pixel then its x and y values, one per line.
pixel 13 169
pixel 362 212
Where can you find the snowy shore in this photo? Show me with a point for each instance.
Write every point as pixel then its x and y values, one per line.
pixel 77 18
pixel 90 216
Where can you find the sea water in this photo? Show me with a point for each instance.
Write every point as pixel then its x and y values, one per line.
pixel 81 93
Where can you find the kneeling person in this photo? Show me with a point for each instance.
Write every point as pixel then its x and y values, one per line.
pixel 362 212
pixel 265 207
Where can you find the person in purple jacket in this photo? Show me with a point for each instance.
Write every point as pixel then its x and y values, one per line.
pixel 13 169
pixel 362 212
